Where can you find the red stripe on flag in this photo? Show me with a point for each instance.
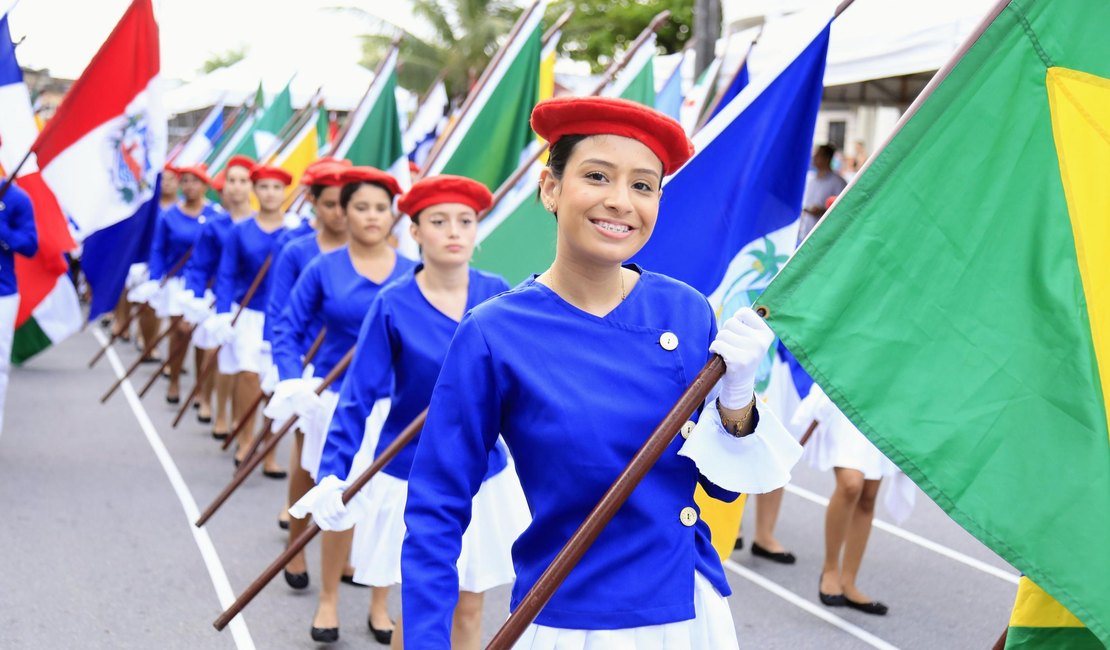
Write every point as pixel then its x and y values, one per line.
pixel 38 275
pixel 123 68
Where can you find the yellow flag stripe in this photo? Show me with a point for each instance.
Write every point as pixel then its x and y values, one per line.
pixel 1080 107
pixel 1033 607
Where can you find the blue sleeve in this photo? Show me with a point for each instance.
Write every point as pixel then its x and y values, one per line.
pixel 158 248
pixel 196 269
pixel 20 234
pixel 451 461
pixel 303 303
pixel 283 275
pixel 226 274
pixel 367 380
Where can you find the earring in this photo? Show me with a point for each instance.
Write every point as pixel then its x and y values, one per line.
pixel 549 206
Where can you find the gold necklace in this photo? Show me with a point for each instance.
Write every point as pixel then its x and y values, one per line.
pixel 623 294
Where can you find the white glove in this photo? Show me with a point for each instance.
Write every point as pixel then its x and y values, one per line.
pixel 325 502
pixel 742 342
pixel 136 275
pixel 219 328
pixel 144 292
pixel 195 310
pixel 294 397
pixel 270 379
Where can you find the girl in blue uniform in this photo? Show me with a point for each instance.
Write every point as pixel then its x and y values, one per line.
pixel 575 367
pixel 244 353
pixel 400 349
pixel 200 278
pixel 338 287
pixel 175 232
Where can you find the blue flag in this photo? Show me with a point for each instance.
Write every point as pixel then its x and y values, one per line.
pixel 669 98
pixel 738 83
pixel 729 219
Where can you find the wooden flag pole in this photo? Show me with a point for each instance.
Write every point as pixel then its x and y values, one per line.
pixel 11 178
pixel 607 507
pixel 133 312
pixel 210 362
pixel 383 459
pixel 472 96
pixel 255 460
pixel 308 357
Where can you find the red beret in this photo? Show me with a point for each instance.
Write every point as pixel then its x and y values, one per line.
pixel 263 172
pixel 200 170
pixel 169 168
pixel 241 161
pixel 370 175
pixel 217 182
pixel 561 116
pixel 329 174
pixel 445 189
pixel 314 169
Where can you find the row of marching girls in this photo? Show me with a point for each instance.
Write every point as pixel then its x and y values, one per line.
pixel 400 317
pixel 569 372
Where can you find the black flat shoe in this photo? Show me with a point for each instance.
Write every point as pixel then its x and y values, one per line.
pixel 275 474
pixel 830 600
pixel 739 545
pixel 173 400
pixel 351 581
pixel 296 580
pixel 384 637
pixel 219 435
pixel 325 634
pixel 196 406
pixel 238 463
pixel 151 360
pixel 784 557
pixel 206 419
pixel 873 607
pixel 284 525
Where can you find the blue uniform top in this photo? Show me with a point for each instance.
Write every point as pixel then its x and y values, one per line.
pixel 174 233
pixel 245 250
pixel 575 396
pixel 330 291
pixel 403 341
pixel 294 257
pixel 17 235
pixel 300 230
pixel 201 269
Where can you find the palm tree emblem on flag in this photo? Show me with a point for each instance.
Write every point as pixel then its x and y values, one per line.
pixel 132 173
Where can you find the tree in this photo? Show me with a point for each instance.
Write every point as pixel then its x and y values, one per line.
pixel 601 29
pixel 230 57
pixel 467 33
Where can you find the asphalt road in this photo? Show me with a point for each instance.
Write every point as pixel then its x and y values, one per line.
pixel 99 548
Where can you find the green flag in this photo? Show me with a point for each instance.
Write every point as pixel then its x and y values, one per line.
pixel 637 81
pixel 243 120
pixel 263 134
pixel 373 136
pixel 487 142
pixel 322 127
pixel 955 303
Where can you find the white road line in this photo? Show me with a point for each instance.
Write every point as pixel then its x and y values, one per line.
pixel 913 538
pixel 818 611
pixel 239 632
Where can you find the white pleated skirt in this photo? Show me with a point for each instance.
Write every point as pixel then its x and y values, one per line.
pixel 247 351
pixel 499 516
pixel 711 628
pixel 315 432
pixel 170 300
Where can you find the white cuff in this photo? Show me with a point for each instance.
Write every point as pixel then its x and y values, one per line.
pixel 757 463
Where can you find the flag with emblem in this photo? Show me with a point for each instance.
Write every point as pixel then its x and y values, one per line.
pixel 957 307
pixel 203 139
pixel 103 151
pixel 48 306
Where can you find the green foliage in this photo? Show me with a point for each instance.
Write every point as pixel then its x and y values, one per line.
pixel 467 34
pixel 601 29
pixel 230 57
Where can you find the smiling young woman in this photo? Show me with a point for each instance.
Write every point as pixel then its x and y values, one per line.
pixel 574 368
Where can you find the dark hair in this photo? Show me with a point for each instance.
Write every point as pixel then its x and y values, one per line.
pixel 560 154
pixel 349 190
pixel 317 189
pixel 829 150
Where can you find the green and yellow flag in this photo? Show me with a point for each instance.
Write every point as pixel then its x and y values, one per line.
pixel 1038 621
pixel 955 303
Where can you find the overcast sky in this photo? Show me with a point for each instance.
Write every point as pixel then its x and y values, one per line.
pixel 63 35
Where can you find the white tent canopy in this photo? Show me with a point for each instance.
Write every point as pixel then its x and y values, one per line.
pixel 872 39
pixel 342 84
